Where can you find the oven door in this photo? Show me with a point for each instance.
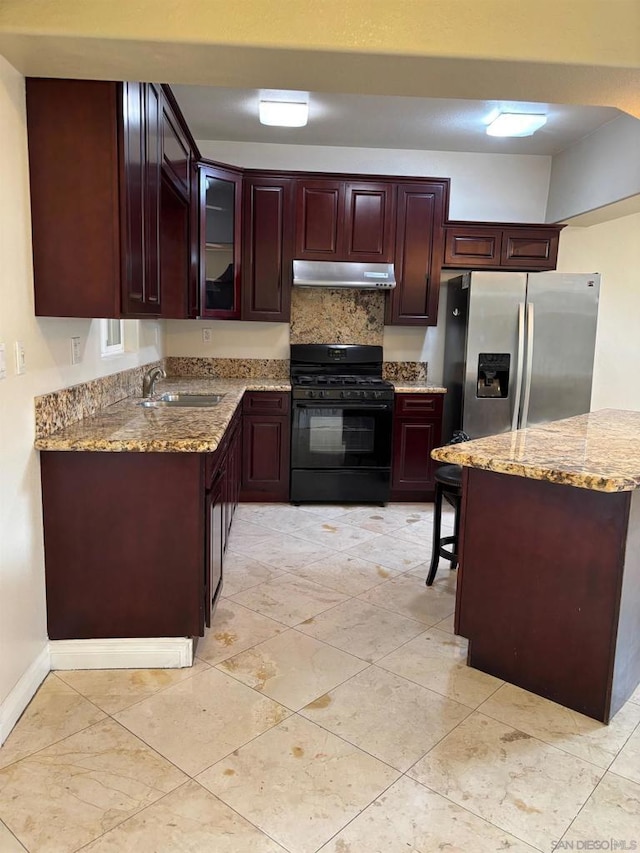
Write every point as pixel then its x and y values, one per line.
pixel 341 434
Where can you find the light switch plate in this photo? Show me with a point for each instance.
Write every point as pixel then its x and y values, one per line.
pixel 3 362
pixel 206 336
pixel 21 364
pixel 76 355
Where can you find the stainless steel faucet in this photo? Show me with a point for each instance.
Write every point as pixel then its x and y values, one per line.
pixel 150 379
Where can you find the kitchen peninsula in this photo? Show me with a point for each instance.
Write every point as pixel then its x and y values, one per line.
pixel 549 588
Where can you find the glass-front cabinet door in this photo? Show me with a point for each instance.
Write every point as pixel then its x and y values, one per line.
pixel 220 193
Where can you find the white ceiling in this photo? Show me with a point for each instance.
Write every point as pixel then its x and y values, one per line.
pixel 370 121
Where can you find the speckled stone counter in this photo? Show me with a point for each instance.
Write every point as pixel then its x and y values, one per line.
pixel 128 426
pixel 598 451
pixel 418 387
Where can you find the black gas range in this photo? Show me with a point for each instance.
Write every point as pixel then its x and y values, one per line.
pixel 342 412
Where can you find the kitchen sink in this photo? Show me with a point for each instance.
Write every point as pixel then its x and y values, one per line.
pixel 197 401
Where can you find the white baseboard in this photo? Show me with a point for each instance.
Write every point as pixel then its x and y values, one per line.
pixel 126 653
pixel 23 693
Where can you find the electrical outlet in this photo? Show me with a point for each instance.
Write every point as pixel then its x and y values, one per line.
pixel 21 364
pixel 76 355
pixel 3 363
pixel 206 336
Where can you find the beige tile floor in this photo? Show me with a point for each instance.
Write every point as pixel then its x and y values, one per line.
pixel 329 709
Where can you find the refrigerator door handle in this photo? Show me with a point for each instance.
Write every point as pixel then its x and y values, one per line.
pixel 529 372
pixel 519 369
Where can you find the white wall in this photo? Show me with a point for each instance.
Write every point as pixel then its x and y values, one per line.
pixel 598 170
pixel 48 356
pixel 612 249
pixel 491 187
pixel 230 339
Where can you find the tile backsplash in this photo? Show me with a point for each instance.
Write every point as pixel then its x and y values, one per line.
pixel 228 368
pixel 68 405
pixel 331 316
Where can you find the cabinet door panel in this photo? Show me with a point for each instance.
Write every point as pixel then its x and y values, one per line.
pixel 153 172
pixel 319 219
pixel 529 249
pixel 412 467
pixel 174 251
pixel 220 222
pixel 472 247
pixel 176 152
pixel 369 222
pixel 419 246
pixel 265 458
pixel 134 226
pixel 73 128
pixel 268 249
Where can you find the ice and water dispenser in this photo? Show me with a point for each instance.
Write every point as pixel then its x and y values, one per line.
pixel 493 374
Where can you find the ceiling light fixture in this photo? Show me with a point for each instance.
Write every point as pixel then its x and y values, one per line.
pixel 284 113
pixel 516 124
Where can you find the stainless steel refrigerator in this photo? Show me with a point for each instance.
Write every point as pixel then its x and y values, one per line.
pixel 519 349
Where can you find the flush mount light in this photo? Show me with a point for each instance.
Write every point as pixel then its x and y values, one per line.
pixel 516 124
pixel 284 113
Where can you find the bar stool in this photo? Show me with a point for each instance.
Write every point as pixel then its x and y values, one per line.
pixel 448 486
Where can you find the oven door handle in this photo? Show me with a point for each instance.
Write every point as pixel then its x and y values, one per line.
pixel 360 404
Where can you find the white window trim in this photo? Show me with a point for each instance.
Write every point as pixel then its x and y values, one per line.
pixel 107 349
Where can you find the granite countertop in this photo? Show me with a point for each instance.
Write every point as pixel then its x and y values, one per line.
pixel 418 387
pixel 127 426
pixel 598 451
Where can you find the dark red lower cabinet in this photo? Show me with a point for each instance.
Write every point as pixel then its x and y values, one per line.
pixel 417 427
pixel 266 432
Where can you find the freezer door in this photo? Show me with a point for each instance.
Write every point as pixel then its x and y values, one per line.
pixel 493 360
pixel 562 312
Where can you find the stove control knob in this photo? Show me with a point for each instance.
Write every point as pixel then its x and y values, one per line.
pixel 311 393
pixel 344 394
pixel 321 394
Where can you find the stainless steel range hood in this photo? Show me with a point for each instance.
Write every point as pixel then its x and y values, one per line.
pixel 343 274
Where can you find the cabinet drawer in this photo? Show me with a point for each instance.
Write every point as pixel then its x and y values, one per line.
pixel 266 403
pixel 408 405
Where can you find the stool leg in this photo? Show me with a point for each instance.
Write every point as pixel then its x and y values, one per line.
pixel 437 516
pixel 456 533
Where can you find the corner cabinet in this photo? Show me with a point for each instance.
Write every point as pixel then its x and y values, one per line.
pixel 338 220
pixel 119 564
pixel 417 429
pixel 419 251
pixel 267 247
pixel 98 158
pixel 220 234
pixel 501 246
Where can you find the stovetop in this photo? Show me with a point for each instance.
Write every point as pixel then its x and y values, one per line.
pixel 342 380
pixel 338 372
pixel 341 387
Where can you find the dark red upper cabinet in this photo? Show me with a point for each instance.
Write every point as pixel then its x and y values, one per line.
pixel 369 222
pixel 267 248
pixel 344 221
pixel 97 160
pixel 468 245
pixel 418 258
pixel 220 257
pixel 501 246
pixel 319 219
pixel 530 248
